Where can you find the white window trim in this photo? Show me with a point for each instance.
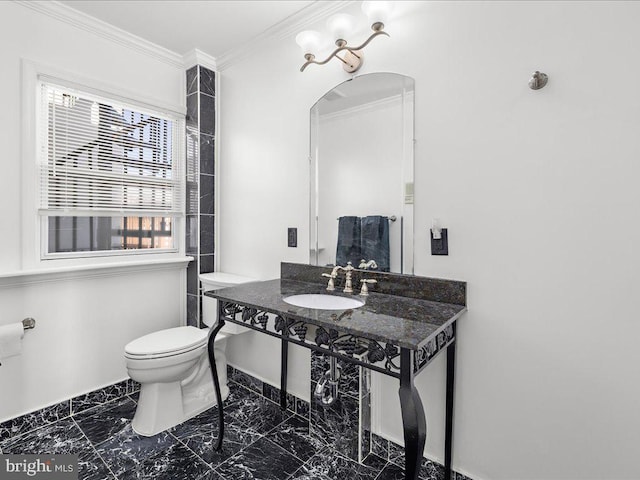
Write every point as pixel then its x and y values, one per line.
pixel 31 229
pixel 34 277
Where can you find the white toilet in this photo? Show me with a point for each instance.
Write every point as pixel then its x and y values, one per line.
pixel 172 366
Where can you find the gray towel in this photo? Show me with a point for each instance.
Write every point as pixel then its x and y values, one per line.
pixel 348 249
pixel 374 243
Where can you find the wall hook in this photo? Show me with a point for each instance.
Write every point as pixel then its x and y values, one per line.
pixel 538 80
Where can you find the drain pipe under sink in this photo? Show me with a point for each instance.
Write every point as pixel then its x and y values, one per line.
pixel 326 390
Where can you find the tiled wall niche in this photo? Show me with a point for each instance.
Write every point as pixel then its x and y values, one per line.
pixel 200 183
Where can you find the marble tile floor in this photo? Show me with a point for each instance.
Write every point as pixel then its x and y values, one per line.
pixel 261 443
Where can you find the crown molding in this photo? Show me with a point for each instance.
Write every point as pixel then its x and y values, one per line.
pixel 310 15
pixel 64 13
pixel 198 57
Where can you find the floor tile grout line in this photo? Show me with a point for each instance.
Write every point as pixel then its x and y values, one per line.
pixel 277 445
pixel 260 437
pixel 340 454
pixel 192 451
pixel 95 449
pixel 377 477
pixel 262 396
pixel 248 426
pixel 70 415
pixel 95 407
pixel 279 448
pixel 37 428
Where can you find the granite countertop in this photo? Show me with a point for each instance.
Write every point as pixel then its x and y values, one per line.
pixel 403 321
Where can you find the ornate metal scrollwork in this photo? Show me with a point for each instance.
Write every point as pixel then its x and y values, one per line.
pixel 434 346
pixel 352 346
pixel 229 309
pixel 301 330
pixel 379 356
pixel 283 325
pixel 262 320
pixel 249 314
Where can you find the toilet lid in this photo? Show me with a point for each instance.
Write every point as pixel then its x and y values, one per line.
pixel 171 340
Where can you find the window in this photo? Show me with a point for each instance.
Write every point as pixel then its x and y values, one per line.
pixel 111 175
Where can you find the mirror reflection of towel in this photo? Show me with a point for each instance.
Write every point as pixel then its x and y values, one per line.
pixel 374 243
pixel 348 249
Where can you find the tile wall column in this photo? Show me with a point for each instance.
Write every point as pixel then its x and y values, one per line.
pixel 200 181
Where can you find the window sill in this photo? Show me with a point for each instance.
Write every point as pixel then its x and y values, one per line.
pixel 28 277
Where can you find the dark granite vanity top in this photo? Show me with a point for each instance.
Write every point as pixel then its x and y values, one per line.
pixel 404 321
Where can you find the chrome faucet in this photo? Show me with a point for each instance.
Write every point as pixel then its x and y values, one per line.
pixel 348 287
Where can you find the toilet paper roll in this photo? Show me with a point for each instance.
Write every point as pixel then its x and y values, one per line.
pixel 11 340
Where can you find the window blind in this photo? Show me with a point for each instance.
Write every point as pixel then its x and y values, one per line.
pixel 99 157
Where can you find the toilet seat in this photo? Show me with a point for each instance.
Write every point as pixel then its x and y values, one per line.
pixel 166 343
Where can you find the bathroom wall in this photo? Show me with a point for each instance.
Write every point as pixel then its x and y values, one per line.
pixel 538 190
pixel 84 318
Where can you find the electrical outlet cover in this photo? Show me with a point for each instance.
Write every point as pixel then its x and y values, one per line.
pixel 441 246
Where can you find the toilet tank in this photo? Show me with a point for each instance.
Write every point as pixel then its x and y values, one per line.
pixel 214 281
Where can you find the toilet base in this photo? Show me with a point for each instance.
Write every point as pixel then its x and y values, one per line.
pixel 160 407
pixel 164 405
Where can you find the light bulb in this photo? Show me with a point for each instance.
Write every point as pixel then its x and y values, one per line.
pixel 377 12
pixel 310 42
pixel 341 25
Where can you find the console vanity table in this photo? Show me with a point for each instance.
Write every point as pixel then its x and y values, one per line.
pixel 403 325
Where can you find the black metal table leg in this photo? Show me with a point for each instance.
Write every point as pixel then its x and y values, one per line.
pixel 214 373
pixel 413 419
pixel 448 432
pixel 284 360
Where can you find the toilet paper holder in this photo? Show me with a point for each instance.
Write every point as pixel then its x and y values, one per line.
pixel 28 323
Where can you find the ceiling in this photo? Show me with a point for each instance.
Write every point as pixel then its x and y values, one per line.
pixel 214 27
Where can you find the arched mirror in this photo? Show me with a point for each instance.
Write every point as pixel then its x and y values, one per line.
pixel 362 174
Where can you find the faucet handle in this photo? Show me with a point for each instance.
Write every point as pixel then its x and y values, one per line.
pixel 330 285
pixel 364 291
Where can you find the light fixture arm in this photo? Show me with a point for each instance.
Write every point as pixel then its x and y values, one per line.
pixel 352 50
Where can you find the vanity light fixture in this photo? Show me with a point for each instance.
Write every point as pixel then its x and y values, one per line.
pixel 340 25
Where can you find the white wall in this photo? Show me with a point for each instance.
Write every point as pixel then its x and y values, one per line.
pixel 82 326
pixel 83 323
pixel 538 190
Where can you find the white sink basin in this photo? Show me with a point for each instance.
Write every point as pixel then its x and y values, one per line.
pixel 323 302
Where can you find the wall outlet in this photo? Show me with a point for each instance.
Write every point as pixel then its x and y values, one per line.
pixel 440 246
pixel 292 237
